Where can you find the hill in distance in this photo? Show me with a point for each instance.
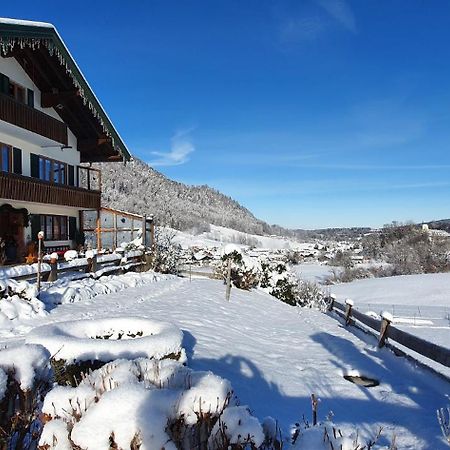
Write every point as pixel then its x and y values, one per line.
pixel 138 188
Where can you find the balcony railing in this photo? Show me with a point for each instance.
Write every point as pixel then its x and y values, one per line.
pixel 31 119
pixel 19 187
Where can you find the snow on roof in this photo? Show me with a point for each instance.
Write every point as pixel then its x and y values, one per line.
pixel 22 22
pixel 49 26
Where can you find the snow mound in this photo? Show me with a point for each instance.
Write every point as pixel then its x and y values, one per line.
pixel 142 402
pixel 18 301
pixel 26 364
pixel 108 339
pixel 69 291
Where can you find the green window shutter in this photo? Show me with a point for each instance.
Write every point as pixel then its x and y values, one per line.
pixel 71 170
pixel 17 161
pixel 4 84
pixel 35 221
pixel 30 97
pixel 72 227
pixel 34 164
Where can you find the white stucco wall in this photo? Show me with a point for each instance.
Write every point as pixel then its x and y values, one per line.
pixel 39 208
pixel 12 135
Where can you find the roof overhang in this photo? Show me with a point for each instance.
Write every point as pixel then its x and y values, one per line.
pixel 39 49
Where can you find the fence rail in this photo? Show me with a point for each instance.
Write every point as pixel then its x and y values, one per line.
pixel 97 266
pixel 386 330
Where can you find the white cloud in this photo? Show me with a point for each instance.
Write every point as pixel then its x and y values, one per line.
pixel 310 26
pixel 181 148
pixel 341 12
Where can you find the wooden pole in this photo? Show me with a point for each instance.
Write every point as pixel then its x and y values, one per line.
pixel 348 311
pixel 99 231
pixel 314 404
pixel 228 291
pixel 386 321
pixel 40 238
pixel 53 267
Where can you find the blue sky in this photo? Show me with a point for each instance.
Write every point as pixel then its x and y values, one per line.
pixel 311 113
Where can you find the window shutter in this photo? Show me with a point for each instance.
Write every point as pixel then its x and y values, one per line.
pixel 4 84
pixel 34 163
pixel 72 228
pixel 17 161
pixel 35 220
pixel 30 97
pixel 71 170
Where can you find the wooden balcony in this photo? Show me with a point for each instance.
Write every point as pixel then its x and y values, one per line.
pixel 18 187
pixel 31 119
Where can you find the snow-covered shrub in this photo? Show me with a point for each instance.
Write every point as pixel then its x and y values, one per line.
pixel 279 281
pixel 236 428
pixel 18 301
pixel 245 271
pixel 165 252
pixel 327 436
pixel 80 345
pixel 144 404
pixel 310 295
pixel 25 376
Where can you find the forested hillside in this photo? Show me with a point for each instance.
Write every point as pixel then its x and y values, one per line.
pixel 138 188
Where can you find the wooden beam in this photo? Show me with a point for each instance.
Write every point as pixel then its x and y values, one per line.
pixel 89 144
pixel 53 99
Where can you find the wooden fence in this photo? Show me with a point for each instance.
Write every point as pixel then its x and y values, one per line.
pixel 97 266
pixel 386 330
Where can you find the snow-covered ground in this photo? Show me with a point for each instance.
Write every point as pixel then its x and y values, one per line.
pixel 313 271
pixel 421 301
pixel 276 356
pixel 221 235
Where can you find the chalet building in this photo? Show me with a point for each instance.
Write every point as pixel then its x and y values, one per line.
pixel 50 123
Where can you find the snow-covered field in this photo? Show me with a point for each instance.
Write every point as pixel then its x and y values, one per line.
pixel 221 235
pixel 276 356
pixel 422 302
pixel 313 271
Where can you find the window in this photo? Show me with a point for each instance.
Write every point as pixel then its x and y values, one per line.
pixel 50 170
pixel 17 92
pixel 55 227
pixel 5 158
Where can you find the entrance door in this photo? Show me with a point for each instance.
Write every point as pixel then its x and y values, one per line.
pixel 12 222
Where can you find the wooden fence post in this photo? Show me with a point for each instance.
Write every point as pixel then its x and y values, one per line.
pixel 228 291
pixel 53 267
pixel 387 319
pixel 331 299
pixel 348 311
pixel 39 267
pixel 314 404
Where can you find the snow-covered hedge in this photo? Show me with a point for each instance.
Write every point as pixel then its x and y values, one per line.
pixel 25 376
pixel 18 301
pixel 108 339
pixel 146 404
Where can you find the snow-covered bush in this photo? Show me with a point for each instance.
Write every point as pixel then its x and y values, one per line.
pixel 165 252
pixel 310 295
pixel 245 271
pixel 25 376
pixel 18 301
pixel 145 404
pixel 279 281
pixel 327 436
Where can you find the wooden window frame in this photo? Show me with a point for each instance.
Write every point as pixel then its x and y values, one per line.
pixel 15 87
pixel 51 178
pixel 55 219
pixel 10 157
